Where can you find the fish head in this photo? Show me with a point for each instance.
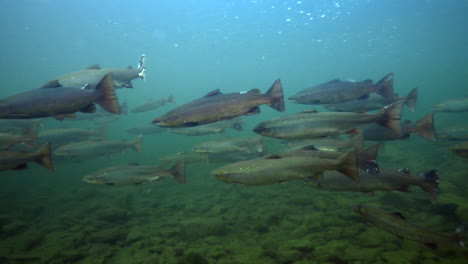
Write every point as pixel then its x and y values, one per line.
pixel 438 107
pixel 200 148
pixel 264 130
pixel 222 175
pixel 96 179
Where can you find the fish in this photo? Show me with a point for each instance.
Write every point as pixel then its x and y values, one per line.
pixel 460 149
pixel 27 137
pixel 98 148
pixel 374 102
pixel 14 126
pixel 228 145
pixel 328 143
pixel 387 180
pixel 454 105
pixel 424 127
pixel 397 224
pixel 453 133
pixel 145 129
pixel 134 174
pixel 311 124
pixel 153 104
pixel 187 157
pixel 60 101
pixel 273 169
pixel 208 129
pixel 337 91
pixel 62 136
pixel 18 160
pixel 216 106
pixel 93 74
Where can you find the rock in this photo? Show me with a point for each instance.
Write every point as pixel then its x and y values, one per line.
pixel 200 227
pixel 14 228
pixel 134 235
pixel 288 256
pixel 112 215
pixel 110 235
pixel 193 258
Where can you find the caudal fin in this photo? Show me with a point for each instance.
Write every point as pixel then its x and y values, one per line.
pixel 390 116
pixel 107 99
pixel 275 93
pixel 425 127
pixel 171 99
pixel 384 87
pixel 178 171
pixel 411 99
pixel 431 184
pixel 136 143
pixel 348 164
pixel 43 156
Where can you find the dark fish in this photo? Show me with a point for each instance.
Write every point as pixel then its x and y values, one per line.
pixel 208 129
pixel 423 127
pixel 216 106
pixel 17 160
pixel 453 133
pixel 135 174
pixel 374 102
pixel 455 105
pixel 145 129
pixel 387 180
pixel 397 224
pixel 93 74
pixel 61 136
pixel 274 169
pixel 309 124
pixel 98 148
pixel 337 91
pixel 59 101
pixel 460 149
pixel 153 104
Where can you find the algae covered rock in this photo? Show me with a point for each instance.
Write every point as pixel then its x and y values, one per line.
pixel 109 235
pixel 200 227
pixel 14 228
pixel 116 215
pixel 193 258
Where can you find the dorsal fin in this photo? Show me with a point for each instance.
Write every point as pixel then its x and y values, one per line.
pixel 400 215
pixel 129 67
pixel 254 91
pixel 52 84
pixel 213 93
pixel 273 156
pixel 94 67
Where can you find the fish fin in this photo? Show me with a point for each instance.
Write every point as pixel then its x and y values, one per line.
pixel 213 93
pixel 136 143
pixel 190 124
pixel 391 116
pixel 354 131
pixel 254 91
pixel 52 84
pixel 128 84
pixel 425 127
pixel 431 184
pixel 368 154
pixel 332 81
pixel 310 111
pixel 129 67
pixel 431 245
pixel 399 214
pixel 44 156
pixel 22 166
pixel 357 141
pixel 237 125
pixel 93 67
pixel 363 97
pixel 348 164
pixel 91 108
pixel 411 99
pixel 272 156
pixel 107 100
pixel 253 111
pixel 275 93
pixel 178 171
pixel 171 99
pixel 384 87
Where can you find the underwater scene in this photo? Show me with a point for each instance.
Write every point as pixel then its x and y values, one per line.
pixel 233 131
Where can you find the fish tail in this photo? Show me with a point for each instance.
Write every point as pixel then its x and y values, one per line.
pixel 178 171
pixel 136 143
pixel 367 160
pixel 238 125
pixel 431 184
pixel 357 141
pixel 411 99
pixel 275 93
pixel 391 115
pixel 43 156
pixel 425 127
pixel 171 99
pixel 384 87
pixel 107 100
pixel 348 164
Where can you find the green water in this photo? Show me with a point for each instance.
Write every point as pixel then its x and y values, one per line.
pixel 193 47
